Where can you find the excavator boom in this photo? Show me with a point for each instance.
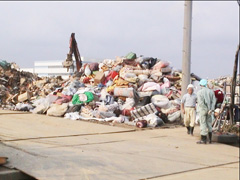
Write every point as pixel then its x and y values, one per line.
pixel 73 49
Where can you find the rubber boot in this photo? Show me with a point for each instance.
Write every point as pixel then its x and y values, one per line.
pixel 203 140
pixel 188 130
pixel 191 130
pixel 210 137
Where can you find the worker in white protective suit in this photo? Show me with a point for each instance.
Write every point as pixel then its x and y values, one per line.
pixel 206 104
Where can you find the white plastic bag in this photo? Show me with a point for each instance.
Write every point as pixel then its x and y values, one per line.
pixel 161 101
pixel 104 93
pixel 87 71
pixel 128 104
pixel 175 116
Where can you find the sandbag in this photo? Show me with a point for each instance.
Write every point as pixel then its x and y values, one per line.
pixel 160 65
pixel 156 76
pixel 129 103
pixel 175 116
pixel 126 92
pixel 130 77
pixel 57 110
pixel 154 121
pixel 150 86
pixel 143 77
pixel 41 109
pixel 160 101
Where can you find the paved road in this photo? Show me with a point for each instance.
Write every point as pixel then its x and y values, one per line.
pixel 56 148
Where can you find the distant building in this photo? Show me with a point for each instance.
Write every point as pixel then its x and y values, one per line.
pixel 51 68
pixel 55 68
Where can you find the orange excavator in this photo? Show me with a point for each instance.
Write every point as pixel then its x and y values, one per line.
pixel 68 63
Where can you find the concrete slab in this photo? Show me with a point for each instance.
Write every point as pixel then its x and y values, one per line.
pixel 128 155
pixel 25 126
pixel 222 172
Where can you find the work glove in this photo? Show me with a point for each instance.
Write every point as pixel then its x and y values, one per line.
pixel 197 119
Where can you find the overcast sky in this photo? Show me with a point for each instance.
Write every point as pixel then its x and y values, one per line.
pixel 39 31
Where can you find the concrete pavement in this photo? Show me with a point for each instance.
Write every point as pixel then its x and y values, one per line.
pixel 56 148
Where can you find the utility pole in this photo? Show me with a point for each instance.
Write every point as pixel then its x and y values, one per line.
pixel 186 58
pixel 233 86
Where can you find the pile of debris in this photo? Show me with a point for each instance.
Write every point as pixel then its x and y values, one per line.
pixel 141 91
pixel 224 83
pixel 22 87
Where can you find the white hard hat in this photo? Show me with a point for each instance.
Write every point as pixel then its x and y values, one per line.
pixel 190 86
pixel 217 110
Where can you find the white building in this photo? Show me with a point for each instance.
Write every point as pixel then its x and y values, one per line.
pixel 51 68
pixel 55 68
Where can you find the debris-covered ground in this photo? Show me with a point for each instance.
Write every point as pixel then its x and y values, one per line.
pixel 130 90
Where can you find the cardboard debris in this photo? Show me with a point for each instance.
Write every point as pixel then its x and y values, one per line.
pixel 25 96
pixel 99 78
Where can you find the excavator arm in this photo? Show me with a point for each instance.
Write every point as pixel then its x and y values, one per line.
pixel 73 49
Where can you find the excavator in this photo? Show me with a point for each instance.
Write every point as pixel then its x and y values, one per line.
pixel 68 63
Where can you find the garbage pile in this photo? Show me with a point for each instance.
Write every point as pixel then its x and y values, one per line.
pixel 139 91
pixel 222 85
pixel 22 87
